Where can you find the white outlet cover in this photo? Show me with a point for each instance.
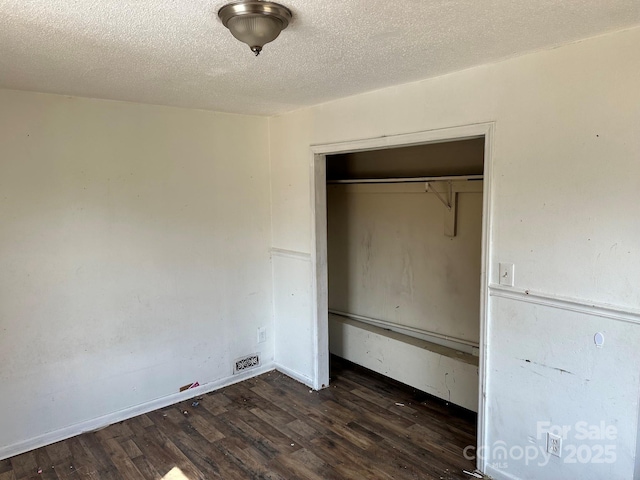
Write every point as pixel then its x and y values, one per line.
pixel 262 335
pixel 554 444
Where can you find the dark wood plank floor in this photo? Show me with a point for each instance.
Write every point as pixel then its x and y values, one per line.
pixel 271 427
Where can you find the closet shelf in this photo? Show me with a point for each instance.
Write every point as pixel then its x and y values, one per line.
pixel 453 178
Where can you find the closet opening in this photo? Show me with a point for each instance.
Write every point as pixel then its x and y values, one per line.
pixel 401 262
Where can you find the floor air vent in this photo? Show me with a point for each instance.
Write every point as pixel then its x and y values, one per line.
pixel 246 363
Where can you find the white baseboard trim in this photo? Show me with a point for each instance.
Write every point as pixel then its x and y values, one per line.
pixel 618 313
pixel 124 414
pixel 499 474
pixel 295 375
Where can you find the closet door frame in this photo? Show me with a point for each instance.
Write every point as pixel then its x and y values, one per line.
pixel 320 280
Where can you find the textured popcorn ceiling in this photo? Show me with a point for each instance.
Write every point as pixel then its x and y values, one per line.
pixel 176 52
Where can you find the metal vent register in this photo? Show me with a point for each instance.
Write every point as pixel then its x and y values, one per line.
pixel 246 363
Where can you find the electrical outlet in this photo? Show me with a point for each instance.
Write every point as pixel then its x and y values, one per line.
pixel 506 272
pixel 554 444
pixel 262 335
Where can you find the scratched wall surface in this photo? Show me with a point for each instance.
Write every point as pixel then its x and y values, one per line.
pixel 134 255
pixel 390 260
pixel 589 390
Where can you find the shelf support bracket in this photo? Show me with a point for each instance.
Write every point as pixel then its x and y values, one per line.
pixel 450 204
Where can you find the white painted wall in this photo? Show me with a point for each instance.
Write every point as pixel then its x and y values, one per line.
pixel 291 307
pixel 134 258
pixel 390 260
pixel 565 204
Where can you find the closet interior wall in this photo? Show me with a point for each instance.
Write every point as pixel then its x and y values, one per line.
pixel 404 290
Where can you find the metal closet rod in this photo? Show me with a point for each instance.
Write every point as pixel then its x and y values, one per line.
pixel 409 179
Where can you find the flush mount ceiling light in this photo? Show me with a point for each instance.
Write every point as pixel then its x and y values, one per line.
pixel 255 22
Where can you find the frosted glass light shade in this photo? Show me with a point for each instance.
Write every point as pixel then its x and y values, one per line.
pixel 255 31
pixel 255 22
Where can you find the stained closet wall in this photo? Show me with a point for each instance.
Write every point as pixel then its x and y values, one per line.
pixel 392 266
pixel 391 261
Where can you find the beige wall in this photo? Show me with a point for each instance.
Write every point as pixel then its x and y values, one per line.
pixel 390 260
pixel 391 265
pixel 134 251
pixel 564 205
